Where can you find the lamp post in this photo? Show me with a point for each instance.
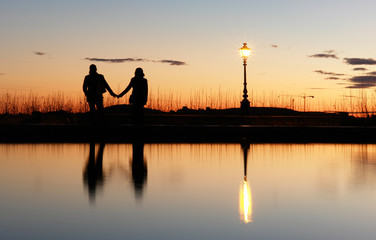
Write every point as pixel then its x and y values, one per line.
pixel 245 52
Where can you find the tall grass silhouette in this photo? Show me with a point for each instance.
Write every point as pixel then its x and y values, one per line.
pixel 26 103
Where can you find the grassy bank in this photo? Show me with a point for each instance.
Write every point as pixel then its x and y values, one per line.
pixel 14 103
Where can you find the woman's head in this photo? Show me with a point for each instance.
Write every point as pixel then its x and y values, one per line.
pixel 139 72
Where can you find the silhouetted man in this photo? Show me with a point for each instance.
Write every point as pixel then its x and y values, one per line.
pixel 94 87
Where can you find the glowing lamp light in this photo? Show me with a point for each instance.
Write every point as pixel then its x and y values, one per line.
pixel 245 51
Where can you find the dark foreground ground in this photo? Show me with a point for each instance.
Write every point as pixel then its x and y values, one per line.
pixel 185 125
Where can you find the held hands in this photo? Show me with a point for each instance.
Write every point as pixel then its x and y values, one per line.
pixel 115 95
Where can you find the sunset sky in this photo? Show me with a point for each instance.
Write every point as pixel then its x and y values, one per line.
pixel 322 48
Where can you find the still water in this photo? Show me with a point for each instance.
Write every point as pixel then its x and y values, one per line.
pixel 187 191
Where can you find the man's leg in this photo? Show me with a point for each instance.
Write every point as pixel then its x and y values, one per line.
pixel 92 112
pixel 99 104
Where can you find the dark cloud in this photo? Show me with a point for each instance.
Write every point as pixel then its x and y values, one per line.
pixel 324 55
pixel 116 60
pixel 122 60
pixel 360 69
pixel 329 73
pixel 173 62
pixel 361 85
pixel 274 45
pixel 362 81
pixel 333 78
pixel 372 73
pixel 39 53
pixel 360 61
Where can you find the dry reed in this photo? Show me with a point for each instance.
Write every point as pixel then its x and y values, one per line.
pixel 26 103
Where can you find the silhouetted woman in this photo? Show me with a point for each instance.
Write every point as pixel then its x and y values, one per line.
pixel 139 95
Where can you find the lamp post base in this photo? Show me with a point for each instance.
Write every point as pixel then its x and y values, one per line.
pixel 244 104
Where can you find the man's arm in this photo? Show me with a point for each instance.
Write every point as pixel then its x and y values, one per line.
pixel 84 87
pixel 106 86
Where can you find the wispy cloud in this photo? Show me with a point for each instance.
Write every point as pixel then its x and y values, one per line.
pixel 361 85
pixel 360 61
pixel 274 45
pixel 172 62
pixel 360 69
pixel 326 54
pixel 329 73
pixel 116 60
pixel 39 53
pixel 2 74
pixel 333 78
pixel 363 81
pixel 122 60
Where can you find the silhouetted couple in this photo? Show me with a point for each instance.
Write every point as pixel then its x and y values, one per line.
pixel 95 85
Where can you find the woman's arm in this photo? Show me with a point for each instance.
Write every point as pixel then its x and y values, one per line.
pixel 126 89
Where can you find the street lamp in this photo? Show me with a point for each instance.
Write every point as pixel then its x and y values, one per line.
pixel 244 53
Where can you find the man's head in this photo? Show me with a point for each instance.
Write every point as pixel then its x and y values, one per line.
pixel 93 68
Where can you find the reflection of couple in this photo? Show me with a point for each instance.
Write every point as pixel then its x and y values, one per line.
pixel 94 176
pixel 95 85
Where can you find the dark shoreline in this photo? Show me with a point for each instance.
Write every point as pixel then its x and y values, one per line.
pixel 259 125
pixel 38 133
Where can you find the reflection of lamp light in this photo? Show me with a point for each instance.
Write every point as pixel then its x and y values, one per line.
pixel 245 209
pixel 245 52
pixel 245 196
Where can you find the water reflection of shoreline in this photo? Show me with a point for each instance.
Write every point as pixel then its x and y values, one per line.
pixel 94 176
pixel 356 174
